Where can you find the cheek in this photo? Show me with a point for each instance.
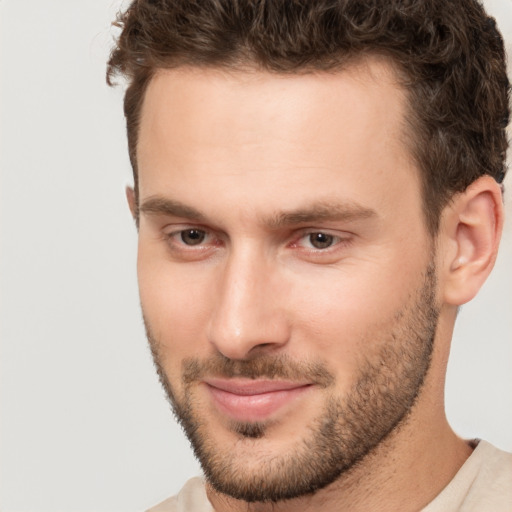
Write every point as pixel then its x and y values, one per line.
pixel 348 315
pixel 176 306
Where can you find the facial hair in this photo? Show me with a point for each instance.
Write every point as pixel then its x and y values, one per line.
pixel 350 427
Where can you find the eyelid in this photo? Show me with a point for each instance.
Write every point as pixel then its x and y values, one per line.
pixel 213 240
pixel 171 235
pixel 341 238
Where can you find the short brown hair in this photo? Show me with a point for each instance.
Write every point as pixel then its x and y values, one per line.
pixel 449 53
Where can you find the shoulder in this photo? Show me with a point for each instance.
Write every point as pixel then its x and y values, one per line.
pixel 495 472
pixel 191 498
pixel 484 482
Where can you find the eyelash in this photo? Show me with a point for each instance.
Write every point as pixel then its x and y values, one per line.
pixel 177 245
pixel 335 240
pixel 181 245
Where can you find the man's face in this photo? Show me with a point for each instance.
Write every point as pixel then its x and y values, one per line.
pixel 285 272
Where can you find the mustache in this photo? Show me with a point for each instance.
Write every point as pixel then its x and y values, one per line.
pixel 270 367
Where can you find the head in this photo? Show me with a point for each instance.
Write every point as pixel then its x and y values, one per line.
pixel 312 182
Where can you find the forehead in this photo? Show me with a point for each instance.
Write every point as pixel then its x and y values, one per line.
pixel 244 101
pixel 255 132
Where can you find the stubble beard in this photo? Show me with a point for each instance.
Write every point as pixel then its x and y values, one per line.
pixel 349 427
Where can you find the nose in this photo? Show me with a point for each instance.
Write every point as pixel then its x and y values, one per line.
pixel 249 315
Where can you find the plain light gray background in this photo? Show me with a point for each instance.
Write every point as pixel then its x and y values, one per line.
pixel 84 425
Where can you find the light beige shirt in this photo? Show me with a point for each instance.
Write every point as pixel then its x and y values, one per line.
pixel 483 484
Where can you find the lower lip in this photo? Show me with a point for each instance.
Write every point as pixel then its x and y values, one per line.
pixel 257 407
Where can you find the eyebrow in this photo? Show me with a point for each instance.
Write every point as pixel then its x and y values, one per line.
pixel 163 206
pixel 319 212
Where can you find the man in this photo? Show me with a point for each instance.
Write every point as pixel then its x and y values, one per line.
pixel 317 190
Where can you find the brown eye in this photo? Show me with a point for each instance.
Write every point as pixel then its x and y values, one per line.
pixel 321 240
pixel 193 236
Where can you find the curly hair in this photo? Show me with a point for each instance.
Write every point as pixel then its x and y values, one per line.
pixel 449 56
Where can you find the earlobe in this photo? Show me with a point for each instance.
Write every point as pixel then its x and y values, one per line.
pixel 471 226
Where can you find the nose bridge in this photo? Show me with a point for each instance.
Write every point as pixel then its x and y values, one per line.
pixel 246 313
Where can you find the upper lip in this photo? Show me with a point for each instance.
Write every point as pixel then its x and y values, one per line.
pixel 247 387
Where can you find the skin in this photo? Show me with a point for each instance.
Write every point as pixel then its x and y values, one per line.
pixel 237 155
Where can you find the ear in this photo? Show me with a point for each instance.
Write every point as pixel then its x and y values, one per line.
pixel 132 202
pixel 470 230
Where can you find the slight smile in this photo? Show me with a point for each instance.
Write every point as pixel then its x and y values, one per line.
pixel 253 400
